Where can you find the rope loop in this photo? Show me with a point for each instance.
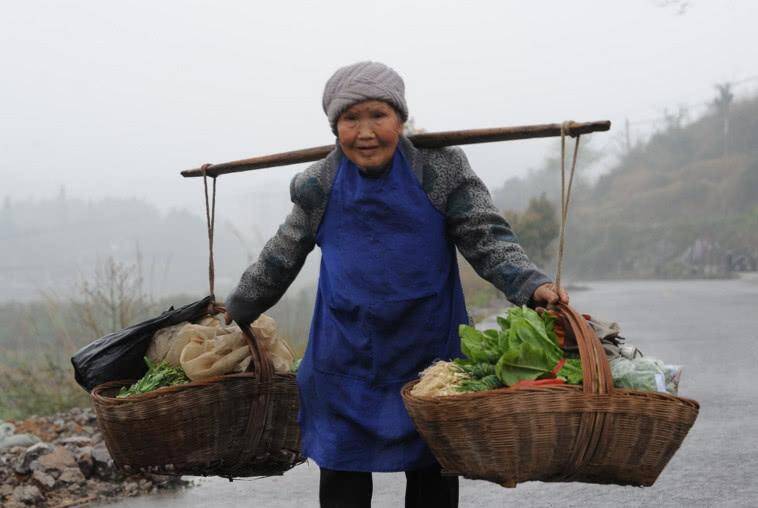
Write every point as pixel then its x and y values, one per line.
pixel 210 217
pixel 260 362
pixel 565 193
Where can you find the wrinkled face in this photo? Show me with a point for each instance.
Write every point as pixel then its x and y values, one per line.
pixel 368 134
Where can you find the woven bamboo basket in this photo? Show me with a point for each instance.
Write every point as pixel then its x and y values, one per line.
pixel 236 425
pixel 592 433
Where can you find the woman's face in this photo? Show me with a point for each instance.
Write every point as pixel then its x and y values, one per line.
pixel 368 134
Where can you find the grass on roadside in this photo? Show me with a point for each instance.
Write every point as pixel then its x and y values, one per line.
pixel 38 387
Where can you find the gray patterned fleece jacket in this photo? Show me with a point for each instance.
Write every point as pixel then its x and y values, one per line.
pixel 479 232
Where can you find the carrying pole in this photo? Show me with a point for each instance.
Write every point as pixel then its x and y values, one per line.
pixel 423 140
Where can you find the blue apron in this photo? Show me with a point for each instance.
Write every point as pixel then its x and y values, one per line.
pixel 389 302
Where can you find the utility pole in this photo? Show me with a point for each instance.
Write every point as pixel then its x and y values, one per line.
pixel 726 129
pixel 722 102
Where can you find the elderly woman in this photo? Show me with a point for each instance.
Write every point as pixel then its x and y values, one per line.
pixel 388 218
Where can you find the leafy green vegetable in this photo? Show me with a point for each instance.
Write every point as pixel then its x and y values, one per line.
pixel 474 369
pixel 572 371
pixel 528 327
pixel 549 321
pixel 478 346
pixel 507 340
pixel 157 375
pixel 492 334
pixel 490 382
pixel 523 362
pixel 525 348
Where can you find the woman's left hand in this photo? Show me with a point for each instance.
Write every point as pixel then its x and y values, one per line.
pixel 548 293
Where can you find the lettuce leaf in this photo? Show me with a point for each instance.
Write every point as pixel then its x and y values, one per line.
pixel 478 346
pixel 523 362
pixel 528 327
pixel 572 371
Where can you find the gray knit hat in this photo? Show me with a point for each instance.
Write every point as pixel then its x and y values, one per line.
pixel 363 81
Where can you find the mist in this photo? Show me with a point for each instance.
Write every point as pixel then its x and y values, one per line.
pixel 110 101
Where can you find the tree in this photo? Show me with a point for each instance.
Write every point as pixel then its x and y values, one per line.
pixel 537 227
pixel 516 192
pixel 680 6
pixel 410 127
pixel 721 103
pixel 6 216
pixel 113 299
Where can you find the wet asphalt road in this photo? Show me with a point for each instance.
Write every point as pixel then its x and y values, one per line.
pixel 710 327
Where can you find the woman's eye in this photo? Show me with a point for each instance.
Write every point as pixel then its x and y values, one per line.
pixel 379 114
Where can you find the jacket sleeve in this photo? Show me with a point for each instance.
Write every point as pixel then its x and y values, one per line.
pixel 266 280
pixel 485 238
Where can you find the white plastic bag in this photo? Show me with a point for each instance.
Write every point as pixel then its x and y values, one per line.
pixel 645 373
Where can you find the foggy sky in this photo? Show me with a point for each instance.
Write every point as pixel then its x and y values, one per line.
pixel 115 98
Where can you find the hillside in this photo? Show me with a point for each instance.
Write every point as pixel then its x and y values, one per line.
pixel 683 204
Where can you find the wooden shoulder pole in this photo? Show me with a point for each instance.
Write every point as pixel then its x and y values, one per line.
pixel 423 140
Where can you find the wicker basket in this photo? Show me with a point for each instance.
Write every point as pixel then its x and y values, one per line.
pixel 236 425
pixel 593 433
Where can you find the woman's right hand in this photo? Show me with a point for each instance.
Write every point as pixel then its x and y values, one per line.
pixel 228 318
pixel 549 293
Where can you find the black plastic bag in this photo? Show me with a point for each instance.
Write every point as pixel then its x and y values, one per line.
pixel 119 355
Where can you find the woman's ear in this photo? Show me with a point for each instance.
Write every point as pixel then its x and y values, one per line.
pixel 400 127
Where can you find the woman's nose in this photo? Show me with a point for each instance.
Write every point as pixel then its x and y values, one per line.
pixel 365 131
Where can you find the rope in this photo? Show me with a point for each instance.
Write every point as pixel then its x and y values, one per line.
pixel 210 217
pixel 259 362
pixel 565 195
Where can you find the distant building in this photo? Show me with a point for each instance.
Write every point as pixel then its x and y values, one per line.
pixel 707 258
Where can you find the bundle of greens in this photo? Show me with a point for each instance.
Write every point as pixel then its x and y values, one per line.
pixel 157 375
pixel 524 349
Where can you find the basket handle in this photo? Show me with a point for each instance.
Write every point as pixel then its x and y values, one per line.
pixel 260 362
pixel 261 365
pixel 596 372
pixel 592 433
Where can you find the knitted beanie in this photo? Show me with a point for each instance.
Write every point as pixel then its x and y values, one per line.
pixel 360 82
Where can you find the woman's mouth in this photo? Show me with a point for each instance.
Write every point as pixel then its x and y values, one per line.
pixel 367 153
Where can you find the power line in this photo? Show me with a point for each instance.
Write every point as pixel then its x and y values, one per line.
pixel 686 107
pixel 692 105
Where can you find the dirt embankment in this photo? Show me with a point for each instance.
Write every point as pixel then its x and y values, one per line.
pixel 61 461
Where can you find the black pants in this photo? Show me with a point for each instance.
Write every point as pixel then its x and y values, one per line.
pixel 424 488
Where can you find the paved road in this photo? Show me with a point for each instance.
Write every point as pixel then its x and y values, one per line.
pixel 710 327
